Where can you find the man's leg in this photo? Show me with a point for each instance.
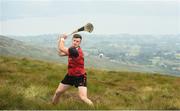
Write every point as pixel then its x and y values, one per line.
pixel 61 89
pixel 83 95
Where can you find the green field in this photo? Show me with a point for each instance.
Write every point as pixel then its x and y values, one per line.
pixel 30 84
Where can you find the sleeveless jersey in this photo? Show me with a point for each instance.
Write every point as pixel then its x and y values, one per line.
pixel 76 64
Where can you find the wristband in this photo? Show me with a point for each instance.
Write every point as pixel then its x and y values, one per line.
pixel 62 39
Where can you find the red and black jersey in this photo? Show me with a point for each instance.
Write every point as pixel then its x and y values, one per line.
pixel 75 62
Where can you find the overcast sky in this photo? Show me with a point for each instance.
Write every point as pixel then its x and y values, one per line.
pixel 32 17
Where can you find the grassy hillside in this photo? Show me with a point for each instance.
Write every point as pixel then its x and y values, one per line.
pixel 30 84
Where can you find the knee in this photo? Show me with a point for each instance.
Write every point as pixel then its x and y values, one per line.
pixel 58 93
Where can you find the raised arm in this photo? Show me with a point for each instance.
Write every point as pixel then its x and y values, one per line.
pixel 62 50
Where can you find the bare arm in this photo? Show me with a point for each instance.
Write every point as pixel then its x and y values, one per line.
pixel 61 53
pixel 62 50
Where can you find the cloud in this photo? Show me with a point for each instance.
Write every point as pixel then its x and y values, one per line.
pixel 53 8
pixel 103 24
pixel 117 16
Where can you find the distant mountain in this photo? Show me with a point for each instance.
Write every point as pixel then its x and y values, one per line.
pixel 12 47
pixel 141 53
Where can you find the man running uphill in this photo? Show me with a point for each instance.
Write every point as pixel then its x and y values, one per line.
pixel 76 73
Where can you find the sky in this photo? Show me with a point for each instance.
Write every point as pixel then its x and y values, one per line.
pixel 34 17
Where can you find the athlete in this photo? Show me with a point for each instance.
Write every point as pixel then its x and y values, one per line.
pixel 76 75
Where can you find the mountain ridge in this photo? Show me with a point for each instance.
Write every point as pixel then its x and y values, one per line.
pixel 150 54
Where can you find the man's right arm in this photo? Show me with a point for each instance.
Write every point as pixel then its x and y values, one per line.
pixel 62 50
pixel 61 53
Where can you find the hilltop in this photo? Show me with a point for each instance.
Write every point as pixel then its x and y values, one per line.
pixel 29 84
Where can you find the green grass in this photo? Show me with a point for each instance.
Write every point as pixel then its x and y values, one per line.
pixel 30 84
